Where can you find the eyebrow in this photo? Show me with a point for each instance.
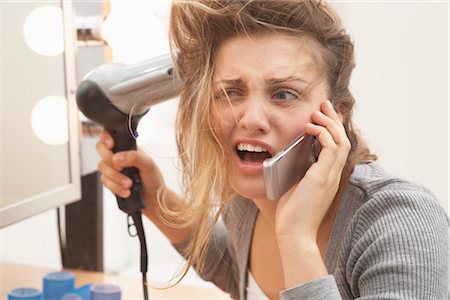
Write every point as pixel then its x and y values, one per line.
pixel 286 80
pixel 273 81
pixel 228 81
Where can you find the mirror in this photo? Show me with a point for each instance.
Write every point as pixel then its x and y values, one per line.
pixel 39 127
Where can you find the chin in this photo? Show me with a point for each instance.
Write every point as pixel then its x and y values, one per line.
pixel 250 189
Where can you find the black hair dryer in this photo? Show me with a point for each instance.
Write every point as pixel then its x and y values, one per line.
pixel 117 96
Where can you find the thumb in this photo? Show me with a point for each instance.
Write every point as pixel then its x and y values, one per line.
pixel 146 166
pixel 126 159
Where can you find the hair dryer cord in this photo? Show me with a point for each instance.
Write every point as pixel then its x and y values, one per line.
pixel 137 219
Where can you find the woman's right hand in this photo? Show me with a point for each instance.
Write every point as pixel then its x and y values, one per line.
pixel 119 184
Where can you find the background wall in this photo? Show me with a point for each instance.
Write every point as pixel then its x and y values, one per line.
pixel 401 87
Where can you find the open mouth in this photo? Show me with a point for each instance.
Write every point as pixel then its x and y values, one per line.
pixel 252 154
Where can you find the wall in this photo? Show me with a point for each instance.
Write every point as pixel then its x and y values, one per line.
pixel 401 86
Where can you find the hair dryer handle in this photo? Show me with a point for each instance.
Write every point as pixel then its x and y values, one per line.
pixel 135 201
pixel 125 141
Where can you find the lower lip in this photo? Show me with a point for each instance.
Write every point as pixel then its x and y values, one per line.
pixel 251 168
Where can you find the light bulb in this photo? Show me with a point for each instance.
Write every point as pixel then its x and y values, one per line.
pixel 43 30
pixel 137 32
pixel 49 120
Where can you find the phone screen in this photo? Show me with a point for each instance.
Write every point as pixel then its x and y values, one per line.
pixel 289 165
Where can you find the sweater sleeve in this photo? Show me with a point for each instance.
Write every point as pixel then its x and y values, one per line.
pixel 400 248
pixel 397 247
pixel 220 262
pixel 318 289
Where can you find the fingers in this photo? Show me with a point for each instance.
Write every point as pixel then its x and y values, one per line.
pixel 117 160
pixel 328 110
pixel 104 146
pixel 107 139
pixel 330 131
pixel 328 125
pixel 117 183
pixel 110 166
pixel 329 119
pixel 111 169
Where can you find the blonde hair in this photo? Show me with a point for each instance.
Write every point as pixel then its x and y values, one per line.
pixel 197 30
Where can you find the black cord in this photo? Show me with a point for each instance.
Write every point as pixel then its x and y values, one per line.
pixel 144 285
pixel 62 246
pixel 137 219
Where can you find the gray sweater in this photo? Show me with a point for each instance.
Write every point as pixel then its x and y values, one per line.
pixel 390 240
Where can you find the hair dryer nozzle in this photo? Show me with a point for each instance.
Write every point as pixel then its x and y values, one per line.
pixel 134 88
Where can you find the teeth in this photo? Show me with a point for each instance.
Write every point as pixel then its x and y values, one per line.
pixel 250 148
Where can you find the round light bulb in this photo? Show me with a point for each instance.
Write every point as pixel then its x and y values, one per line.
pixel 131 30
pixel 43 30
pixel 49 120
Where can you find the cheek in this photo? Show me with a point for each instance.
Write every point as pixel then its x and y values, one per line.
pixel 223 119
pixel 298 124
pixel 293 124
pixel 221 127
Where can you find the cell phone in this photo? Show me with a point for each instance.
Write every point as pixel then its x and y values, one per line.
pixel 289 165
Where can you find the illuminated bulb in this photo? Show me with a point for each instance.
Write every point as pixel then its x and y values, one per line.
pixel 111 29
pixel 43 30
pixel 49 120
pixel 137 32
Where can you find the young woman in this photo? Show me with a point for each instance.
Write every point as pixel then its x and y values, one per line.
pixel 257 74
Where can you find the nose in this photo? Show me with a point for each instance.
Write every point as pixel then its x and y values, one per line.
pixel 254 116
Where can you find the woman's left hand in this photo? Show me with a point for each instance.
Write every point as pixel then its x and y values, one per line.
pixel 300 211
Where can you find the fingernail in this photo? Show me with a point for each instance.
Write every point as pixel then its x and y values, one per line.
pixel 108 143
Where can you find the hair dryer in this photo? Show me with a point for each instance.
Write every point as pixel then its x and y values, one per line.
pixel 117 96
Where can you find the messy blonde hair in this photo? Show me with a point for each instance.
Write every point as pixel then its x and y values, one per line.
pixel 197 30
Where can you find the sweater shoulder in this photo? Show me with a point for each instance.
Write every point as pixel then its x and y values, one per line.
pixel 371 179
pixel 388 200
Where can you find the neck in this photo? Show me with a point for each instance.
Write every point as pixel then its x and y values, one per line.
pixel 267 209
pixel 267 212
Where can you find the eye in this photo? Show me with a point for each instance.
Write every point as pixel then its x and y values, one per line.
pixel 231 93
pixel 283 94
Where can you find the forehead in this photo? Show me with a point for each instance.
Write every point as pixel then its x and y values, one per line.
pixel 269 54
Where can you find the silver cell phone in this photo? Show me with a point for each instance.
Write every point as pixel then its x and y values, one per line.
pixel 289 165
